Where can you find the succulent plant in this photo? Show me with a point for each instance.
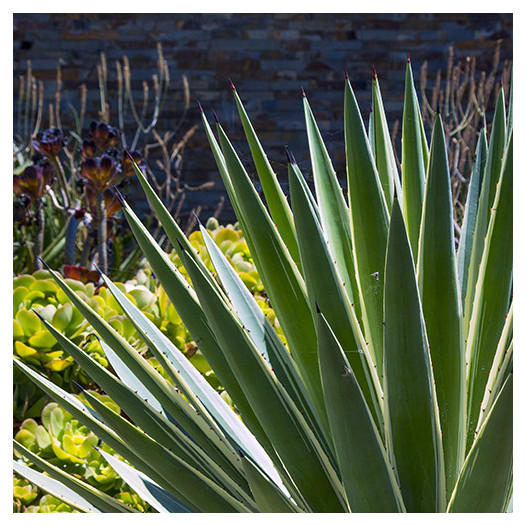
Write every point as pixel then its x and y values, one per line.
pixel 380 401
pixel 49 142
pixel 49 504
pixel 31 186
pixel 32 342
pixel 38 293
pixel 24 494
pixel 34 181
pixel 133 500
pixel 103 135
pixel 59 437
pixel 67 445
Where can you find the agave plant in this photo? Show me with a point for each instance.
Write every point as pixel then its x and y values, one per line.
pixel 380 400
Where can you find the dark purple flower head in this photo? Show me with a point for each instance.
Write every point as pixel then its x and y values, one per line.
pixel 34 181
pixel 49 142
pixel 100 172
pixel 88 149
pixel 104 135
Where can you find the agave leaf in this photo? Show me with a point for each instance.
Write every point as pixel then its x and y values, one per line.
pixel 127 392
pixel 491 177
pixel 510 110
pixel 145 487
pixel 182 295
pixel 280 276
pixel 154 386
pixel 359 448
pixel 235 200
pixel 500 368
pixel 486 478
pixel 225 176
pixel 383 147
pixel 268 497
pixel 262 333
pixel 223 171
pixel 209 455
pixel 96 498
pixel 250 314
pixel 197 390
pixel 440 295
pixel 509 508
pixel 369 225
pixel 333 211
pixel 492 297
pixel 130 380
pixel 465 245
pixel 277 202
pixel 166 395
pixel 370 132
pixel 201 492
pixel 293 165
pixel 411 412
pixel 148 416
pixel 54 487
pixel 327 292
pixel 290 436
pixel 414 161
pixel 499 144
pixel 65 398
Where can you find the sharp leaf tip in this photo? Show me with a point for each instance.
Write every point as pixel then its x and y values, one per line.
pixel 43 262
pixel 39 315
pixel 197 218
pixel 290 156
pixel 81 389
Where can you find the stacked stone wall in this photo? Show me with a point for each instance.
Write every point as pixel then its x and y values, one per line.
pixel 270 57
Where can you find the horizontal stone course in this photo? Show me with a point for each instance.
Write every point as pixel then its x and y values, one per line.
pixel 269 57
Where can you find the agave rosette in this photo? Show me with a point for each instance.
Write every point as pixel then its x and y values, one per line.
pixel 380 401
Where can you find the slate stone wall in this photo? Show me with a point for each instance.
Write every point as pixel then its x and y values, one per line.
pixel 270 57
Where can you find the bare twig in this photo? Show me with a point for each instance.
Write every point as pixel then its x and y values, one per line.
pixel 39 238
pixel 464 100
pixel 102 235
pixel 219 207
pixel 21 84
pixel 58 96
pixel 40 104
pixel 102 74
pixel 27 99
